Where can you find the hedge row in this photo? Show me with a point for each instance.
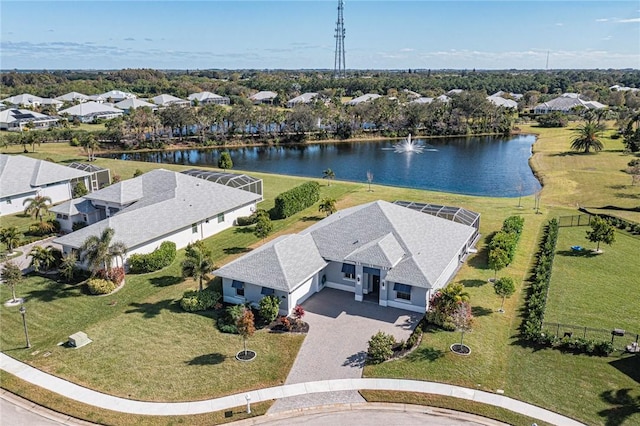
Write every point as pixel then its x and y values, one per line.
pixel 160 258
pixel 507 238
pixel 296 199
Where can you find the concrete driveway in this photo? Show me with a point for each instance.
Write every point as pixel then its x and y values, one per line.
pixel 336 345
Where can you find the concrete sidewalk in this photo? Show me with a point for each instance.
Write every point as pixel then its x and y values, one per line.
pixel 98 399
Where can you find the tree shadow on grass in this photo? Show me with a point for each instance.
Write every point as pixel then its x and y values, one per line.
pixel 481 311
pixel 165 281
pixel 151 310
pixel 244 230
pixel 581 253
pixel 425 354
pixel 311 218
pixel 625 195
pixel 624 406
pixel 479 260
pixel 55 291
pixel 208 359
pixel 236 250
pixel 473 283
pixel 356 360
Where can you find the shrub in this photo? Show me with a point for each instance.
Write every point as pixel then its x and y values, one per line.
pixel 555 119
pixel 296 199
pixel 160 258
pixel 116 275
pixel 137 173
pixel 100 286
pixel 227 321
pixel 78 225
pixel 269 308
pixel 380 347
pixel 80 190
pixel 507 238
pixel 298 312
pixel 193 301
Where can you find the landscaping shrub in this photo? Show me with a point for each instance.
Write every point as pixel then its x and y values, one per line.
pixel 193 301
pixel 296 199
pixel 380 347
pixel 116 275
pixel 250 220
pixel 555 119
pixel 507 238
pixel 100 286
pixel 160 258
pixel 227 321
pixel 78 225
pixel 269 308
pixel 416 335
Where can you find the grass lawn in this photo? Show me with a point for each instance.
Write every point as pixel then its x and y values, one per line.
pixel 597 291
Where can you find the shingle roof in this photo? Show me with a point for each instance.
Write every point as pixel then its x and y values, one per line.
pixel 118 94
pixel 72 96
pixel 21 175
pixel 73 207
pixel 202 96
pixel 281 264
pixel 134 103
pixel 165 99
pixel 364 98
pixel 385 251
pixel 23 99
pixel 264 95
pixel 90 108
pixel 163 202
pixel 11 115
pixel 499 101
pixel 302 99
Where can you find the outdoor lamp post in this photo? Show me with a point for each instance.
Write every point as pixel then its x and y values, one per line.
pixel 248 398
pixel 23 312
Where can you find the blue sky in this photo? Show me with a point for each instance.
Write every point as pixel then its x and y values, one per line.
pixel 299 34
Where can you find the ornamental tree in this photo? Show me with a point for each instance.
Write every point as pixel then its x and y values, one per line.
pixel 504 287
pixel 246 326
pixel 601 232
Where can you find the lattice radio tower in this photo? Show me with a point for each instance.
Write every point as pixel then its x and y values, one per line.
pixel 339 62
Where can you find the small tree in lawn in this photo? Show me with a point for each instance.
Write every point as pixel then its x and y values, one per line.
pixel 79 190
pixel 329 175
pixel 263 227
pixel 601 232
pixel 498 259
pixel 225 162
pixel 11 276
pixel 463 320
pixel 327 206
pixel 246 327
pixel 504 287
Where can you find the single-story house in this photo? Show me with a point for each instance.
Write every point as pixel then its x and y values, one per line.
pixel 364 98
pixel 566 103
pixel 502 102
pixel 157 206
pixel 305 98
pixel 18 119
pixel 117 96
pixel 135 103
pixel 167 100
pixel 25 100
pixel 263 97
pixel 204 98
pixel 25 177
pixel 90 111
pixel 96 98
pixel 394 255
pixel 510 95
pixel 73 97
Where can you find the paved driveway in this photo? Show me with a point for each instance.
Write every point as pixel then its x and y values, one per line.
pixel 336 345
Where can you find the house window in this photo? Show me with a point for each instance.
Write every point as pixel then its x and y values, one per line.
pixel 8 200
pixel 403 291
pixel 349 271
pixel 239 286
pixel 221 218
pixel 266 291
pixel 194 228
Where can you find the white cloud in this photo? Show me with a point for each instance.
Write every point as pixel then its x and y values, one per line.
pixel 407 49
pixel 626 21
pixel 602 20
pixel 559 24
pixel 607 38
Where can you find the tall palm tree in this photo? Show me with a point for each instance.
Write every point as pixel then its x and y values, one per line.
pixel 587 137
pixel 329 175
pixel 197 263
pixel 90 144
pixel 99 251
pixel 327 206
pixel 38 206
pixel 10 237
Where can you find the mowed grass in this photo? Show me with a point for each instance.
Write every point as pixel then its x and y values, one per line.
pixel 597 291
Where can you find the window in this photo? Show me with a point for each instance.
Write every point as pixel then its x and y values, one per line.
pixel 221 218
pixel 266 291
pixel 403 291
pixel 349 271
pixel 239 286
pixel 8 200
pixel 194 228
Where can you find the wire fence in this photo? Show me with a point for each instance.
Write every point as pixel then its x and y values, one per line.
pixel 619 337
pixel 575 220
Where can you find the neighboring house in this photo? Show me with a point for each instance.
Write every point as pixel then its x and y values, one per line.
pixel 157 206
pixel 204 98
pixel 117 96
pixel 90 111
pixel 73 97
pixel 25 100
pixel 232 180
pixel 411 94
pixel 100 177
pixel 426 100
pixel 618 88
pixel 364 98
pixel 394 255
pixel 96 98
pixel 514 96
pixel 264 97
pixel 454 92
pixel 53 102
pixel 502 102
pixel 565 103
pixel 19 119
pixel 134 103
pixel 305 98
pixel 25 177
pixel 168 100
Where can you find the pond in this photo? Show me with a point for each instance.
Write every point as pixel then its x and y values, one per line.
pixel 486 166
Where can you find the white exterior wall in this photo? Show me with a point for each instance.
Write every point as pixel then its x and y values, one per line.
pixel 13 204
pixel 213 227
pixel 302 293
pixel 58 192
pixel 418 302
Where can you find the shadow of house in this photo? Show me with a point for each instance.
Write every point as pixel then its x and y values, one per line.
pixel 629 365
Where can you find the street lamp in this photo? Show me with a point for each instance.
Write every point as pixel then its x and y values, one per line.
pixel 23 312
pixel 248 398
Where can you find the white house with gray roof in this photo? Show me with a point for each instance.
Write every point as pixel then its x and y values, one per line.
pixel 19 119
pixel 92 110
pixel 381 252
pixel 204 98
pixel 165 100
pixel 157 206
pixel 25 177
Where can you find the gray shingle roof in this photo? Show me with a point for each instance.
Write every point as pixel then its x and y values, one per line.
pixel 21 175
pixel 163 202
pixel 281 264
pixel 385 251
pixel 72 96
pixel 73 207
pixel 89 108
pixel 165 99
pixel 134 103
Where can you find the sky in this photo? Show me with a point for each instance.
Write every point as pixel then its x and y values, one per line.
pixel 267 34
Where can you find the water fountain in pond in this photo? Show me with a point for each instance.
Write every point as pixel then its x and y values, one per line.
pixel 408 145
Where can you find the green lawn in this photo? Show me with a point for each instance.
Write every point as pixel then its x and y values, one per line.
pixel 596 291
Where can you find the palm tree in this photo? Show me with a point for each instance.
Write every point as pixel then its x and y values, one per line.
pixel 99 251
pixel 327 206
pixel 197 263
pixel 90 144
pixel 38 206
pixel 67 266
pixel 587 137
pixel 328 174
pixel 10 237
pixel 41 258
pixel 453 295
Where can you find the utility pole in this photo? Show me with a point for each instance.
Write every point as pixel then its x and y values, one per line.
pixel 339 60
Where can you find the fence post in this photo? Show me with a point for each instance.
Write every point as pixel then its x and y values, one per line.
pixel 585 333
pixel 558 330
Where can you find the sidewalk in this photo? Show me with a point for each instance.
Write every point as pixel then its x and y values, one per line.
pixel 98 399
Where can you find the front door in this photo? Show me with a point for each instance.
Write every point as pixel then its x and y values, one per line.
pixel 376 284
